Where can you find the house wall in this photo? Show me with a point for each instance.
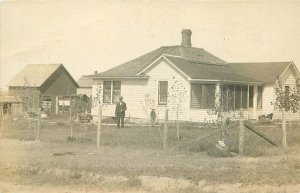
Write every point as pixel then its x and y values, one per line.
pixel 21 91
pixel 289 78
pixel 268 99
pixel 86 91
pixel 165 72
pixel 135 91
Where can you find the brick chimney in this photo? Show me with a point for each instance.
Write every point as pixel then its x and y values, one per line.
pixel 186 38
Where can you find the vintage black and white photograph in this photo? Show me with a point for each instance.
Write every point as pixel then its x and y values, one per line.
pixel 149 96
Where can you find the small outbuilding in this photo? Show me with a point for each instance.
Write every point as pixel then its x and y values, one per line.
pixel 10 105
pixel 51 85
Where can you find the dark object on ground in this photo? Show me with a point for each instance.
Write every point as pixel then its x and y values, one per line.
pixel 266 117
pixel 85 118
pixel 65 153
pixel 32 114
pixel 71 138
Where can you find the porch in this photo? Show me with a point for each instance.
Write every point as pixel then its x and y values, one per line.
pixel 226 97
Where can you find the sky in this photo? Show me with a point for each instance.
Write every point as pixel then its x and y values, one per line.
pixel 88 36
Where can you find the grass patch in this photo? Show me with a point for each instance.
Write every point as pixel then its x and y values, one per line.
pixel 138 137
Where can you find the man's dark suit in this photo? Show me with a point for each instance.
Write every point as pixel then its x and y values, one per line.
pixel 120 113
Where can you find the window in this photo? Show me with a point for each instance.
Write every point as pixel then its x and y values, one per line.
pixel 238 97
pixel 245 97
pixel 227 97
pixel 259 97
pixel 203 96
pixel 116 91
pixel 107 91
pixel 234 97
pixel 196 96
pixel 64 104
pixel 162 92
pixel 287 90
pixel 111 91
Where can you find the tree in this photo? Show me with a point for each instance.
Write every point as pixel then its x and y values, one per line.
pixel 222 111
pixel 31 101
pixel 97 101
pixel 176 99
pixel 287 99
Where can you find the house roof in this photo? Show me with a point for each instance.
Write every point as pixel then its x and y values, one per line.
pixel 203 71
pixel 85 82
pixel 266 72
pixel 10 99
pixel 34 75
pixel 133 67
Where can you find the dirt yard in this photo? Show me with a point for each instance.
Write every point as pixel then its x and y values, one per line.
pixel 132 160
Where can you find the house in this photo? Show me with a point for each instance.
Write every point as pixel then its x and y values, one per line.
pixel 10 105
pixel 250 86
pixel 85 83
pixel 50 84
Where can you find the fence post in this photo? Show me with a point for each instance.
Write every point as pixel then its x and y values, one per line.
pixel 37 138
pixel 165 142
pixel 2 124
pixel 284 143
pixel 99 127
pixel 241 132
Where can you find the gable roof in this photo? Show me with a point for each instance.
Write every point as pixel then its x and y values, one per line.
pixel 133 67
pixel 85 82
pixel 203 71
pixel 197 63
pixel 266 72
pixel 34 75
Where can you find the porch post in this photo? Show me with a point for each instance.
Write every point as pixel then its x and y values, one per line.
pixel 56 105
pixel 255 101
pixel 217 94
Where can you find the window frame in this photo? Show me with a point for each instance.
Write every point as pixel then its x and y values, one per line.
pixel 111 101
pixel 158 93
pixel 201 106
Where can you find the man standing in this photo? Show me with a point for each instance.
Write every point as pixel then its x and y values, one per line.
pixel 120 112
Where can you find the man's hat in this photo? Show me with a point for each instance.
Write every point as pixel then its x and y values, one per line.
pixel 120 97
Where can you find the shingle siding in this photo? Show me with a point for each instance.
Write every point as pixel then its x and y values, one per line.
pixel 59 83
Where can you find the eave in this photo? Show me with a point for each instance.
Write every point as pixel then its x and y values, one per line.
pixel 119 77
pixel 224 81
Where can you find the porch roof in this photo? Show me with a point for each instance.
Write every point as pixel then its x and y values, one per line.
pixel 203 71
pixel 266 72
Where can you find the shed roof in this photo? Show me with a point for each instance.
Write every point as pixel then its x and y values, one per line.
pixel 133 67
pixel 10 99
pixel 34 75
